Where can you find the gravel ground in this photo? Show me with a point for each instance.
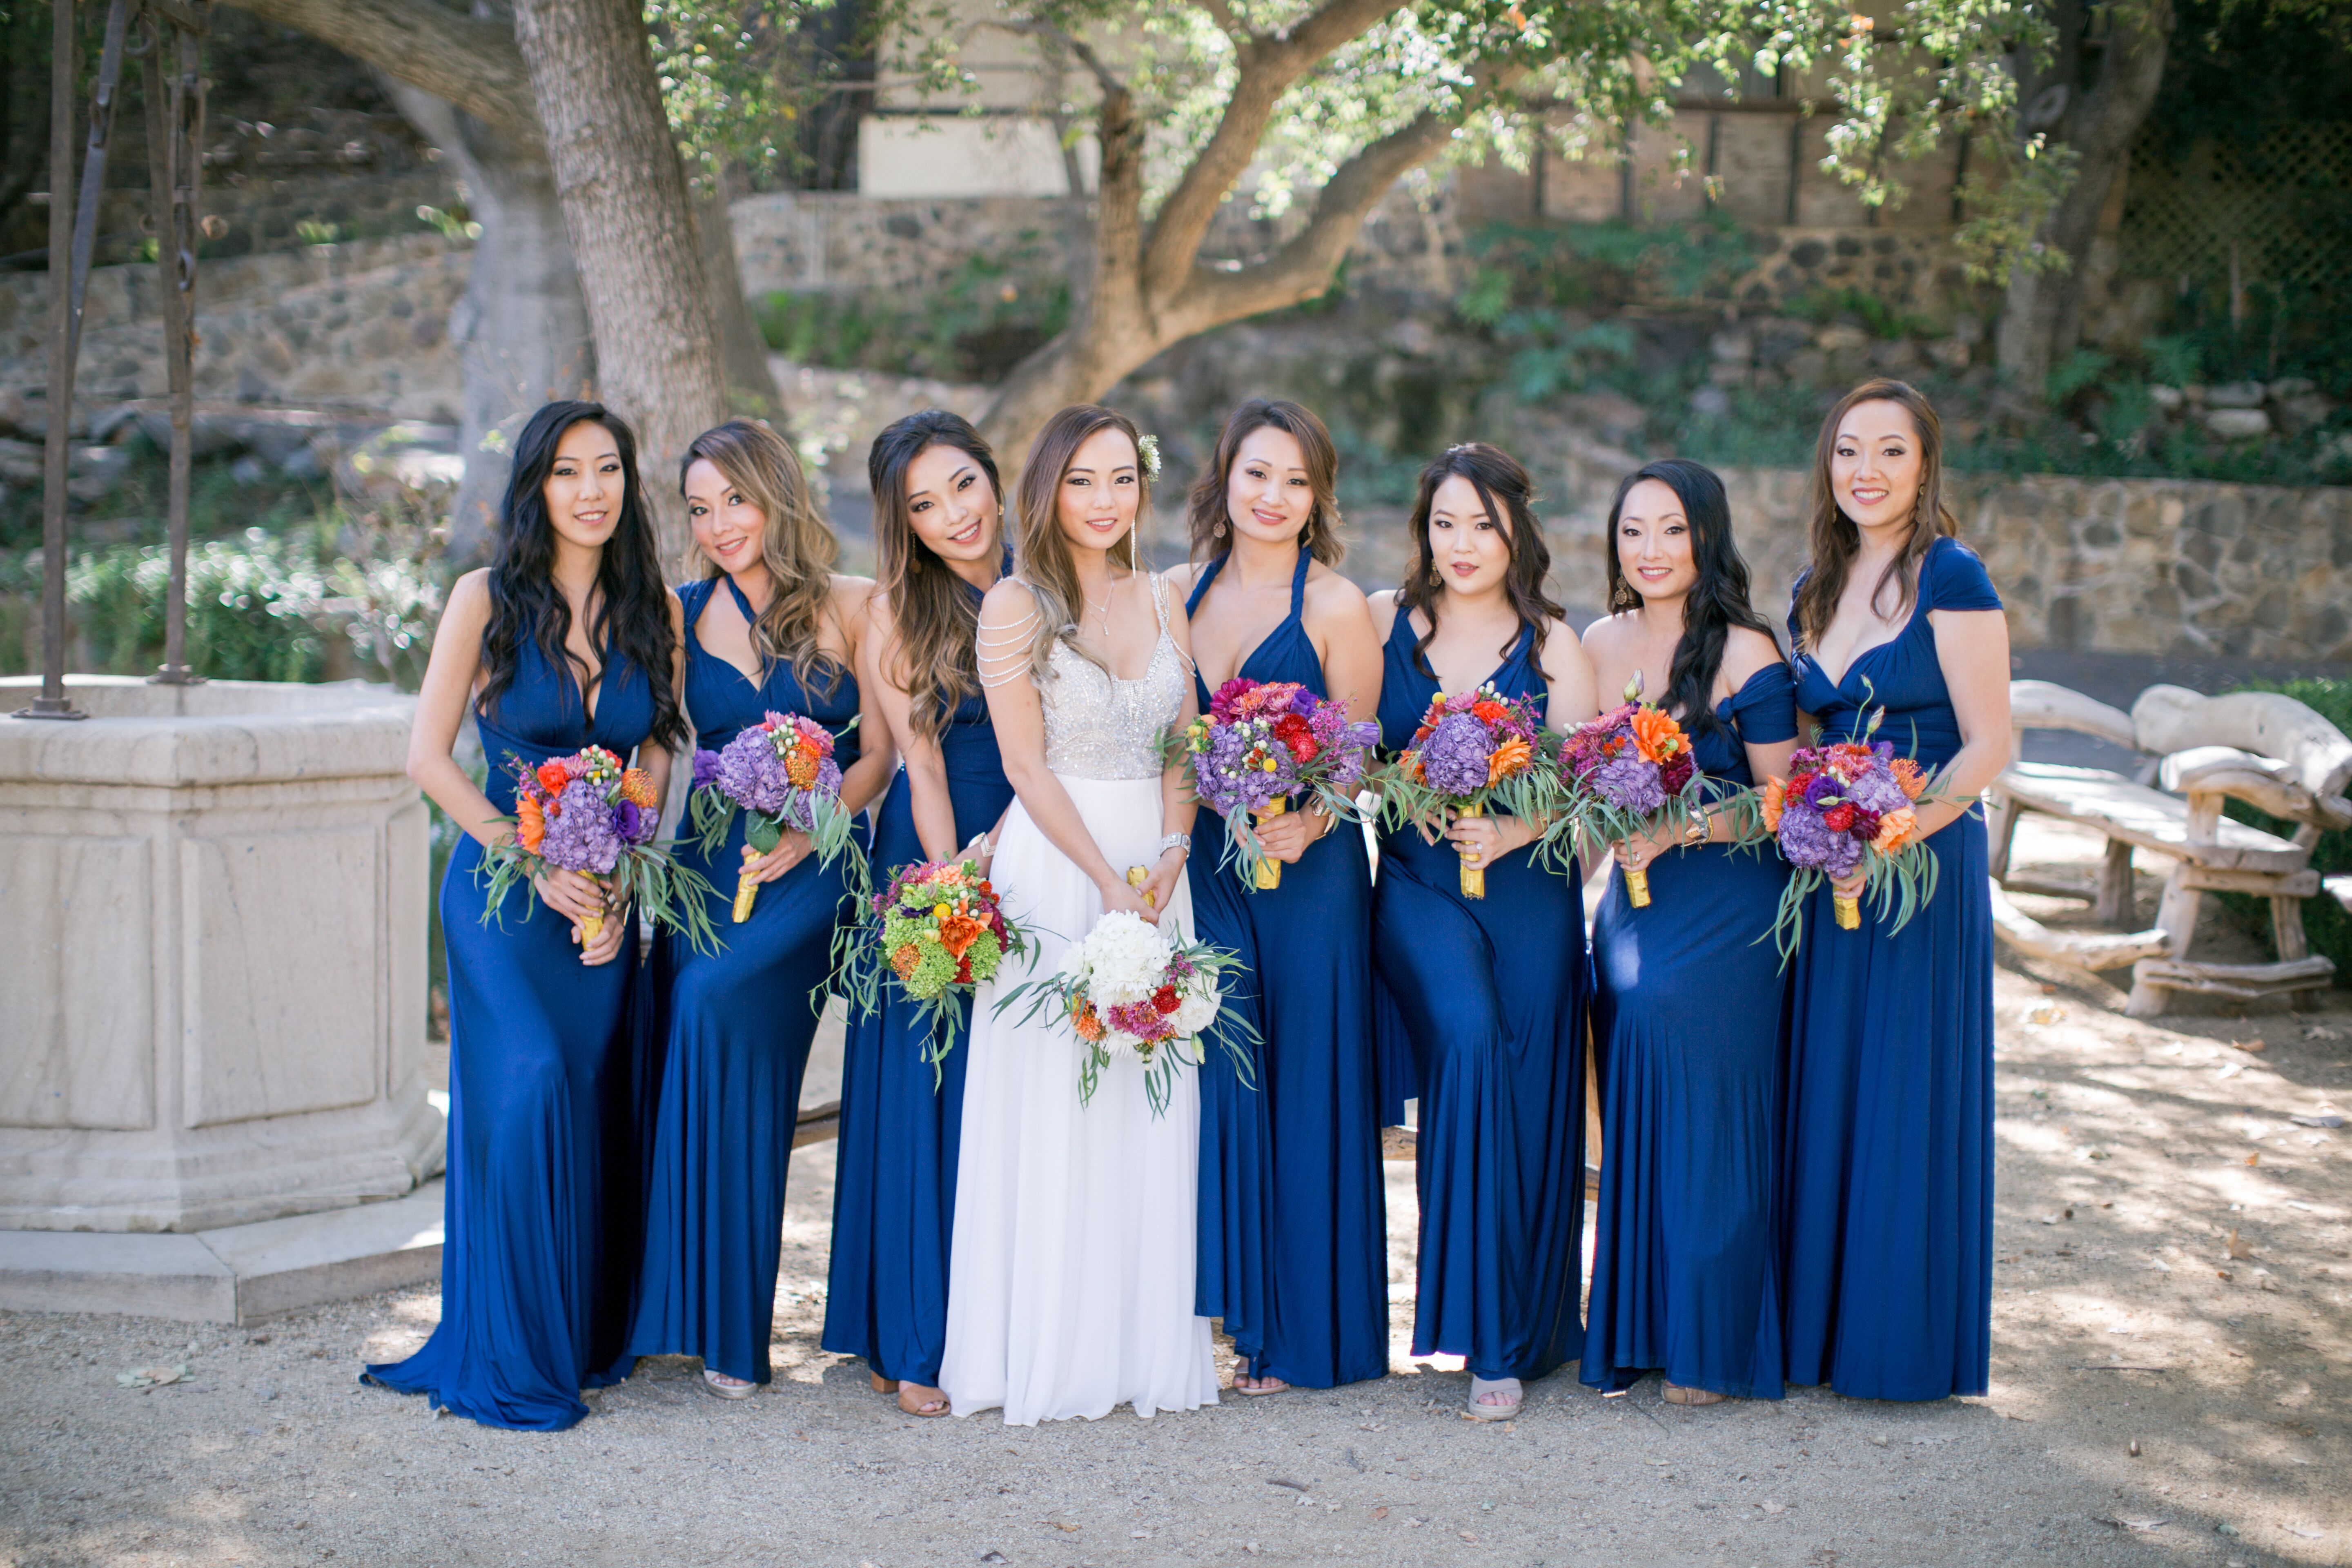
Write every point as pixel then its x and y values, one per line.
pixel 2129 1153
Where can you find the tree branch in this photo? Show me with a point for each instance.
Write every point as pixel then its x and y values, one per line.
pixel 1103 75
pixel 470 63
pixel 1302 267
pixel 1269 67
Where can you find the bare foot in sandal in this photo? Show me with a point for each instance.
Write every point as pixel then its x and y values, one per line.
pixel 1244 1384
pixel 916 1400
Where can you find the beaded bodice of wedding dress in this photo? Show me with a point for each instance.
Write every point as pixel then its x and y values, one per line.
pixel 1100 727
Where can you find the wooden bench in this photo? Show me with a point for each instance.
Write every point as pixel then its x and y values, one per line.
pixel 2264 749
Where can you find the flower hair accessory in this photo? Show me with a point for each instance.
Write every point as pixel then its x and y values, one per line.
pixel 1147 450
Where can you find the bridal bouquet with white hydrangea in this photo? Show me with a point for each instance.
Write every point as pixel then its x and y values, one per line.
pixel 1136 989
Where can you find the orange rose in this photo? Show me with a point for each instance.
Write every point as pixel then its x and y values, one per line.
pixel 1489 712
pixel 1655 735
pixel 1513 757
pixel 530 824
pixel 1773 790
pixel 553 777
pixel 1907 776
pixel 958 932
pixel 1895 829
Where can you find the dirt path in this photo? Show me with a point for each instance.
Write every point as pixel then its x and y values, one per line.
pixel 2128 1154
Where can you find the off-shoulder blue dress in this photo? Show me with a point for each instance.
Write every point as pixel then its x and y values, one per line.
pixel 1489 994
pixel 1889 1159
pixel 1293 1218
pixel 895 1172
pixel 542 1230
pixel 736 1025
pixel 1690 1032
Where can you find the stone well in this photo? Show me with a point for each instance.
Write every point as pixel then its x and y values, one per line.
pixel 212 956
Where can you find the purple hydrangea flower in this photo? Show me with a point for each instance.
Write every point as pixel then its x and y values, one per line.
pixel 1224 784
pixel 751 775
pixel 1629 784
pixel 1810 845
pixel 1454 758
pixel 1877 792
pixel 581 836
pixel 705 766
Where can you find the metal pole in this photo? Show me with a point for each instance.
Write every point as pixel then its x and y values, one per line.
pixel 176 169
pixel 52 703
pixel 93 163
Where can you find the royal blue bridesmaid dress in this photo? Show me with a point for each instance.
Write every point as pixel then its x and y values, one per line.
pixel 1293 1216
pixel 895 1172
pixel 541 1226
pixel 1689 1031
pixel 1489 993
pixel 1889 1160
pixel 736 1026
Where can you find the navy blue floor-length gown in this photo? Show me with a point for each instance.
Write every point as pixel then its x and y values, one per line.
pixel 1293 1227
pixel 1689 1035
pixel 1889 1159
pixel 1490 995
pixel 737 1026
pixel 542 1222
pixel 894 1184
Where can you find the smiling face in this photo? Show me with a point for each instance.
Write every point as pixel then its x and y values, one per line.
pixel 1874 467
pixel 1471 545
pixel 951 505
pixel 1268 494
pixel 585 486
pixel 1096 503
pixel 729 527
pixel 1653 543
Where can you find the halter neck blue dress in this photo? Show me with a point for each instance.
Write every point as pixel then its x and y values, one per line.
pixel 542 1219
pixel 1293 1217
pixel 1689 1028
pixel 737 1026
pixel 1490 995
pixel 895 1177
pixel 1889 1160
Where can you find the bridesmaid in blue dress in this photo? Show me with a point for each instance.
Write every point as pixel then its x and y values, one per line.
pixel 1688 1023
pixel 771 629
pixel 568 640
pixel 1293 1220
pixel 1889 1183
pixel 1489 991
pixel 938 533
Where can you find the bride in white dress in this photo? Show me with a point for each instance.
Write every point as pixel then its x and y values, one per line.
pixel 1070 1283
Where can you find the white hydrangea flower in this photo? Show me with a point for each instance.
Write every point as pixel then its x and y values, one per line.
pixel 1199 1007
pixel 1123 959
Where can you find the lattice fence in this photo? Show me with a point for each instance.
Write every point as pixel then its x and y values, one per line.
pixel 2284 208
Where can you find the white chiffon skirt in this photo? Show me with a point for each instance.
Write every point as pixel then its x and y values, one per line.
pixel 1070 1284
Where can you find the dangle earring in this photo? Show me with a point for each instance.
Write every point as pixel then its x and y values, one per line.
pixel 1623 597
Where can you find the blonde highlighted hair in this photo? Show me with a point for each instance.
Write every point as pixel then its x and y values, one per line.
pixel 796 546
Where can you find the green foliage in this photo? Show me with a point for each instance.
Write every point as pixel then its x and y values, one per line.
pixel 2082 368
pixel 2325 922
pixel 2174 360
pixel 1873 314
pixel 975 327
pixel 737 78
pixel 1601 265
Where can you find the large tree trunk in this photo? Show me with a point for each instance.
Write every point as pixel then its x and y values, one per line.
pixel 2042 319
pixel 522 333
pixel 632 225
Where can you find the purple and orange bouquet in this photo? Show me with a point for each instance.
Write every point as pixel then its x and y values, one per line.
pixel 1629 773
pixel 1473 749
pixel 779 772
pixel 1846 806
pixel 590 814
pixel 1261 745
pixel 938 930
pixel 1133 988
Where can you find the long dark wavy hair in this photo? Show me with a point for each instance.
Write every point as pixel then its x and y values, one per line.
pixel 629 613
pixel 1836 539
pixel 1718 601
pixel 937 617
pixel 1509 497
pixel 1206 520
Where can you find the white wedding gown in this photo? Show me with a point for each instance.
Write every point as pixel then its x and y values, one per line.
pixel 1070 1284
